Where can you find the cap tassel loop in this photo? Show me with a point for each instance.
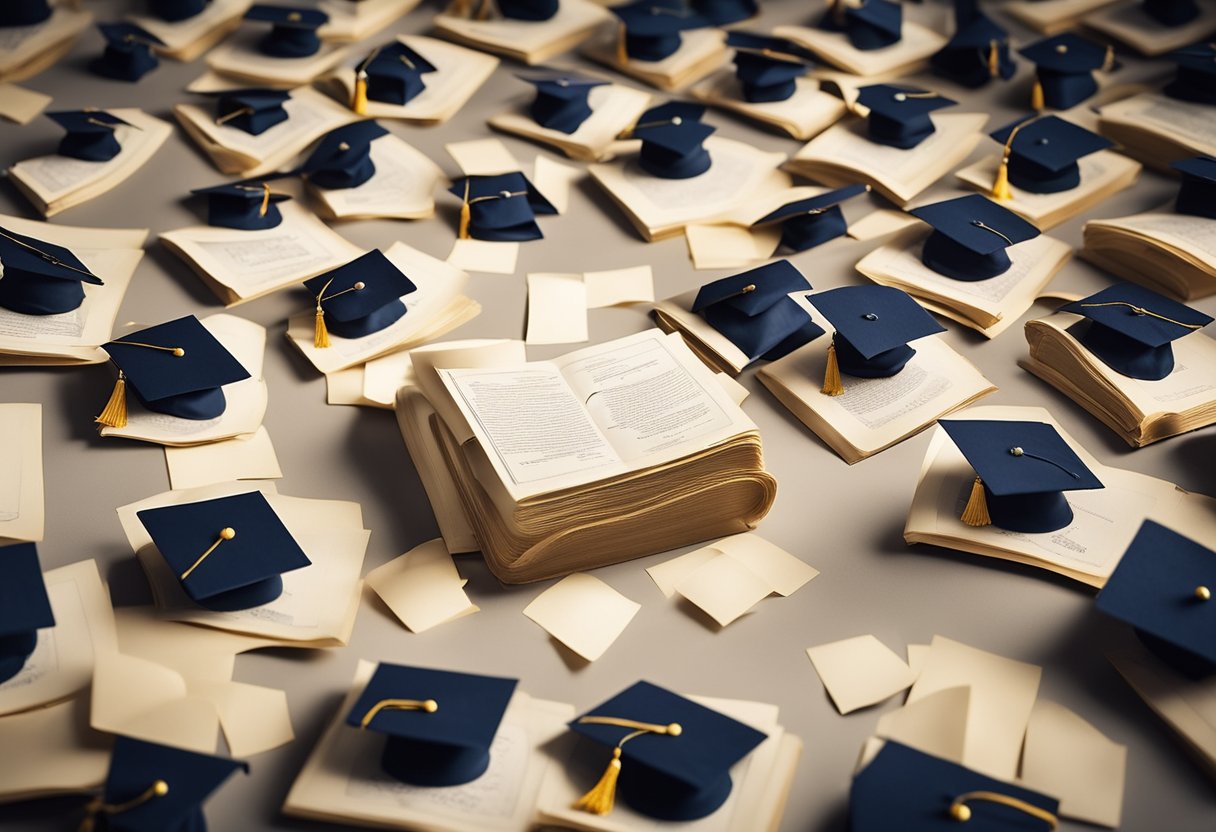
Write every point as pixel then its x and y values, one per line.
pixel 98 806
pixel 114 414
pixel 961 812
pixel 1001 190
pixel 465 213
pixel 1036 96
pixel 832 385
pixel 602 797
pixel 994 59
pixel 975 513
pixel 320 334
pixel 622 52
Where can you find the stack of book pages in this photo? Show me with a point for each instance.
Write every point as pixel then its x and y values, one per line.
pixel 1172 253
pixel 528 41
pixel 1157 129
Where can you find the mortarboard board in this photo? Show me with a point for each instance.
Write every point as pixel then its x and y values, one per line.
pixel 1022 471
pixel 906 789
pixel 806 223
pixel 970 237
pixel 874 24
pixel 873 327
pixel 24 607
pixel 1197 192
pixel 391 74
pixel 531 10
pixel 651 29
pixel 24 12
pixel 725 12
pixel 359 298
pixel 1129 329
pixel 977 53
pixel 343 158
pixel 128 53
pixel 500 207
pixel 295 30
pixel 177 368
pixel 673 756
pixel 1195 79
pixel 899 116
pixel 175 10
pixel 156 788
pixel 229 553
pixel 248 205
pixel 90 134
pixel 1163 587
pixel 767 67
pixel 40 278
pixel 439 724
pixel 672 136
pixel 253 110
pixel 561 100
pixel 1041 155
pixel 1064 67
pixel 1171 12
pixel 754 311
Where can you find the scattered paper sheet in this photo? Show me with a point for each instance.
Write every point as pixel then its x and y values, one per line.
pixel 917 653
pixel 482 157
pixel 619 286
pixel 254 718
pixel 422 587
pixel 734 389
pixel 146 700
pixel 345 386
pixel 784 573
pixel 724 589
pixel 669 574
pixel 557 309
pixel 936 725
pixel 725 246
pixel 242 458
pixel 59 752
pixel 859 672
pixel 880 223
pixel 20 105
pixel 583 613
pixel 554 180
pixel 484 256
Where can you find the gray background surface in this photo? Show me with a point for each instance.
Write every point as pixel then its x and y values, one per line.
pixel 846 521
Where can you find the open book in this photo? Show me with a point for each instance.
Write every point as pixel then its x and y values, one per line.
pixel 701 52
pixel 1052 16
pixel 904 57
pixel 402 187
pixel 806 113
pixel 186 39
pixel 240 59
pixel 1173 253
pixel 26 51
pixel 22 511
pixel 1129 23
pixel 528 41
pixel 614 109
pixel 357 19
pixel 1158 130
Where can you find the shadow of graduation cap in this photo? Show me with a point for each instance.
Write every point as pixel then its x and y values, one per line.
pixel 358 298
pixel 253 110
pixel 561 99
pixel 173 11
pixel 156 788
pixel 1163 587
pixel 177 368
pixel 873 327
pixel 768 67
pixel 671 757
pixel 725 12
pixel 128 53
pixel 1171 13
pixel 1041 153
pixel 24 12
pixel 40 278
pixel 1130 329
pixel 391 74
pixel 229 553
pixel 342 159
pixel 439 725
pixel 1064 68
pixel 1195 78
pixel 500 207
pixel 970 237
pixel 90 134
pixel 869 25
pixel 899 116
pixel 906 789
pixel 1197 191
pixel 754 311
pixel 1022 471
pixel 977 53
pixel 293 33
pixel 672 137
pixel 249 205
pixel 24 607
pixel 650 29
pixel 806 223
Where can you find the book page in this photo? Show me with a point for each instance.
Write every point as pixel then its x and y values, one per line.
pixel 1195 236
pixel 916 44
pixel 310 115
pixel 526 35
pixel 805 113
pixel 402 185
pixel 21 478
pixel 240 57
pixel 179 34
pixel 614 107
pixel 1098 171
pixel 21 105
pixel 1192 124
pixel 480 353
pixel 76 236
pixel 1048 15
pixel 1132 25
pixel 19 44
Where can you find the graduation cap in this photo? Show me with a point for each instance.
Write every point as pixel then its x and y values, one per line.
pixel 1163 587
pixel 1064 67
pixel 906 789
pixel 873 327
pixel 177 368
pixel 1195 78
pixel 90 134
pixel 254 110
pixel 874 24
pixel 970 237
pixel 294 32
pixel 561 100
pixel 24 12
pixel 1171 12
pixel 725 12
pixel 672 136
pixel 40 278
pixel 175 10
pixel 650 30
pixel 24 607
pixel 899 116
pixel 392 74
pixel 359 298
pixel 439 724
pixel 768 67
pixel 343 157
pixel 806 223
pixel 530 10
pixel 128 54
pixel 1041 153
pixel 501 207
pixel 754 311
pixel 249 205
pixel 155 788
pixel 1130 328
pixel 229 553
pixel 1197 193
pixel 977 53
pixel 1022 471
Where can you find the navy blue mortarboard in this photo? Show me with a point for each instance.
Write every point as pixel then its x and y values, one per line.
pixel 768 67
pixel 970 237
pixel 532 10
pixel 1197 192
pixel 806 223
pixel 652 28
pixel 1129 328
pixel 128 54
pixel 359 298
pixel 899 116
pixel 1163 587
pixel 873 327
pixel 175 10
pixel 24 607
pixel 24 12
pixel 248 205
pixel 1171 12
pixel 90 134
pixel 156 788
pixel 40 278
pixel 253 110
pixel 1064 67
pixel 500 207
pixel 1195 79
pixel 976 54
pixel 874 24
pixel 439 724
pixel 343 156
pixel 1041 153
pixel 912 791
pixel 1022 470
pixel 672 135
pixel 561 100
pixel 391 74
pixel 295 30
pixel 177 368
pixel 229 553
pixel 754 311
pixel 673 755
pixel 725 12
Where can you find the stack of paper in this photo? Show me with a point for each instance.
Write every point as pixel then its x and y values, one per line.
pixel 26 51
pixel 186 39
pixel 614 109
pixel 701 52
pixel 402 187
pixel 529 41
pixel 1173 253
pixel 806 113
pixel 1158 130
pixel 907 55
pixel 22 509
pixel 240 59
pixel 357 19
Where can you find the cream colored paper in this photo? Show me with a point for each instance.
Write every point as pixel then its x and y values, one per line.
pixel 554 181
pixel 737 392
pixel 881 223
pixel 614 109
pixel 186 39
pixel 808 111
pixel 1132 25
pixel 557 309
pixel 482 157
pixel 583 613
pixel 422 587
pixel 31 49
pixel 619 287
pixel 402 186
pixel 909 53
pixel 1068 758
pixel 724 589
pixel 242 458
pixel 668 575
pixel 142 699
pixel 699 53
pixel 728 246
pixel 357 19
pixel 917 654
pixel 487 256
pixel 254 719
pixel 20 105
pixel 528 41
pixel 860 671
pixel 59 752
pixel 784 573
pixel 239 59
pixel 936 724
pixel 22 513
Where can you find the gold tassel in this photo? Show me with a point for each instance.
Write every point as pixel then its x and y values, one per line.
pixel 1000 188
pixel 600 799
pixel 465 213
pixel 359 100
pixel 832 385
pixel 994 59
pixel 114 415
pixel 622 52
pixel 1036 96
pixel 320 336
pixel 483 13
pixel 975 513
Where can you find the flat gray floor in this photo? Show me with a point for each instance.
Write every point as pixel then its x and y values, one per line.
pixel 845 521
